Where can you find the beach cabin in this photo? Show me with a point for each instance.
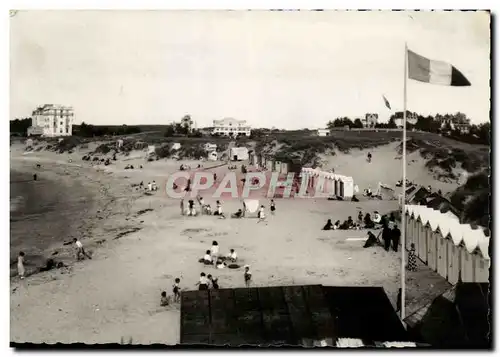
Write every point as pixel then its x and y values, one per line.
pixel 338 185
pixel 151 150
pixel 456 251
pixel 238 154
pixel 212 156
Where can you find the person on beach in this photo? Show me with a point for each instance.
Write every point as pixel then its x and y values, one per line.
pixel 201 202
pixel 237 214
pixel 386 237
pixel 34 177
pixel 392 221
pixel 219 264
pixel 360 217
pixel 232 256
pixel 150 186
pixel 215 177
pixel 188 187
pixel 219 211
pixel 261 215
pixel 20 265
pixel 328 225
pixel 272 206
pixel 182 207
pixel 203 282
pixel 164 301
pixel 412 259
pixel 214 251
pixel 396 236
pixel 371 241
pixel 247 276
pixel 177 290
pixel 153 186
pixel 369 157
pixel 368 222
pixel 80 251
pixel 377 218
pixel 350 223
pixel 192 210
pixel 336 225
pixel 207 258
pixel 213 281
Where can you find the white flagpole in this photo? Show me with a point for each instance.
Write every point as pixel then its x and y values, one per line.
pixel 403 196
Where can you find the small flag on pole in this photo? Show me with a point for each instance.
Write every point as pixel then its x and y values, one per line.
pixel 387 104
pixel 434 72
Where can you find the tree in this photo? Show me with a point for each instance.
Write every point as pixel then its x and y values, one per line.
pixel 358 123
pixel 391 124
pixel 169 131
pixel 20 126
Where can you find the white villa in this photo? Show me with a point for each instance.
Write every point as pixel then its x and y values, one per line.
pixel 52 120
pixel 231 126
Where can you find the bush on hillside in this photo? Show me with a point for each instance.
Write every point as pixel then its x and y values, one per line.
pixel 102 149
pixel 67 144
pixel 163 151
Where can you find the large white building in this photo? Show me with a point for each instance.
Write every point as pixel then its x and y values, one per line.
pixel 52 120
pixel 230 126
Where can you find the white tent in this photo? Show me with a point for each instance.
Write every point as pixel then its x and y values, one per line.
pixel 239 154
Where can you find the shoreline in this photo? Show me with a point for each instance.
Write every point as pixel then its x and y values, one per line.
pixel 59 206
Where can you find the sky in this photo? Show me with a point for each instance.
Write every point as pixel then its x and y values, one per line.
pixel 274 69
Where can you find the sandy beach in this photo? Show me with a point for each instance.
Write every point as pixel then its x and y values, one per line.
pixel 140 244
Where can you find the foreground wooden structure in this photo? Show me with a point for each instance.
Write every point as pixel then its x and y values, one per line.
pixel 311 315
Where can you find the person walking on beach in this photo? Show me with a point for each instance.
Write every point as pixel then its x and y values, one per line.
pixel 80 251
pixel 247 276
pixel 396 236
pixel 182 207
pixel 203 282
pixel 273 207
pixel 20 265
pixel 34 177
pixel 412 259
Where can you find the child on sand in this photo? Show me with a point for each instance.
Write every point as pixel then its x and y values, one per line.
pixel 273 207
pixel 164 299
pixel 261 215
pixel 232 256
pixel 20 265
pixel 213 281
pixel 247 276
pixel 214 251
pixel 207 259
pixel 177 290
pixel 80 251
pixel 203 282
pixel 328 225
pixel 219 211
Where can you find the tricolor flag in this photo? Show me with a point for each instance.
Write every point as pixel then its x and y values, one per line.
pixel 387 104
pixel 435 72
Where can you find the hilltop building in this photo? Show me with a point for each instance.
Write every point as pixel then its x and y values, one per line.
pixel 323 132
pixel 52 120
pixel 231 127
pixel 370 120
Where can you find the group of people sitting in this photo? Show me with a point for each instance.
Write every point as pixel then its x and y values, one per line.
pixel 361 223
pixel 212 257
pixel 205 209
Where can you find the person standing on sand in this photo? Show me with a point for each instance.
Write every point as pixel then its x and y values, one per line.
pixel 80 251
pixel 261 215
pixel 214 251
pixel 273 207
pixel 412 259
pixel 34 177
pixel 396 236
pixel 182 207
pixel 203 282
pixel 20 265
pixel 386 237
pixel 177 290
pixel 247 276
